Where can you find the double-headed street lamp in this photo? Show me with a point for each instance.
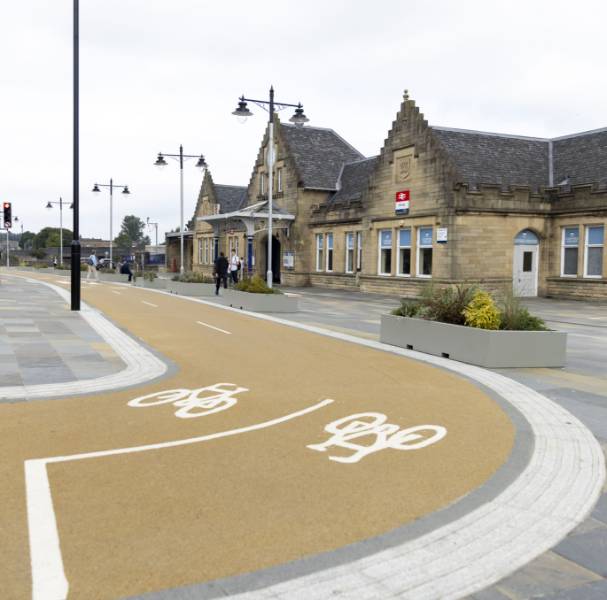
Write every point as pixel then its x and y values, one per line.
pixel 299 119
pixel 149 224
pixel 111 185
pixel 50 205
pixel 202 165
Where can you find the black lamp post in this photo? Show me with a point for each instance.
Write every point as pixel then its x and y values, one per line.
pixel 202 165
pixel 76 250
pixel 111 186
pixel 298 118
pixel 49 204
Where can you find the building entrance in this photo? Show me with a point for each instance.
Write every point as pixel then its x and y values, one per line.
pixel 525 267
pixel 276 258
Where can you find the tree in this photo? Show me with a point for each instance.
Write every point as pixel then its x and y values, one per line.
pixel 49 237
pixel 27 240
pixel 131 234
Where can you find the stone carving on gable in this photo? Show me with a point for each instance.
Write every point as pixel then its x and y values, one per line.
pixel 402 169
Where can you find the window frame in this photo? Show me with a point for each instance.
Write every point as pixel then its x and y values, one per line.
pixel 279 179
pixel 319 247
pixel 262 183
pixel 359 251
pixel 329 254
pixel 200 251
pixel 349 238
pixel 380 249
pixel 398 249
pixel 420 247
pixel 588 245
pixel 564 247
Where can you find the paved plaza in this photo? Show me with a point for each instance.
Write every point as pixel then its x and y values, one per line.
pixel 224 470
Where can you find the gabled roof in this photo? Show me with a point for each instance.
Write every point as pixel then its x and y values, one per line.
pixel 581 157
pixel 487 158
pixel 494 158
pixel 230 197
pixel 353 180
pixel 319 155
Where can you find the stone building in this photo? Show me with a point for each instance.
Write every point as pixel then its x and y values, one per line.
pixel 436 204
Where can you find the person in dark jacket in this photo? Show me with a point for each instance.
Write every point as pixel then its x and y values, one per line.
pixel 221 272
pixel 125 269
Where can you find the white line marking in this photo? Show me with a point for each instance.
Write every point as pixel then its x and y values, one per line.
pixel 213 327
pixel 150 304
pixel 117 293
pixel 48 575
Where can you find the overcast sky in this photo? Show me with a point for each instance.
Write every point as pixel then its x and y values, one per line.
pixel 155 74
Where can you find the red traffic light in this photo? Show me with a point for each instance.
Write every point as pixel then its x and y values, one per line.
pixel 6 205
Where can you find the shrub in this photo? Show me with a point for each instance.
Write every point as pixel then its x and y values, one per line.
pixel 446 304
pixel 481 312
pixel 255 285
pixel 193 277
pixel 516 317
pixel 38 253
pixel 83 267
pixel 149 276
pixel 407 308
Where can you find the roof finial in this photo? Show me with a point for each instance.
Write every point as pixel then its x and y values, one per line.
pixel 406 95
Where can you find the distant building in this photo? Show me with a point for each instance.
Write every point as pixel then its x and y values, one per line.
pixel 436 204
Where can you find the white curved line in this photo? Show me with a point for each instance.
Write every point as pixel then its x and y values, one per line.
pixel 48 575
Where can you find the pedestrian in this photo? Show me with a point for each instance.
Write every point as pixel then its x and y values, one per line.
pixel 92 266
pixel 125 269
pixel 220 271
pixel 234 267
pixel 54 262
pixel 242 267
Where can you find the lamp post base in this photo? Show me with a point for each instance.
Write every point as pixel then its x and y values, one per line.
pixel 75 275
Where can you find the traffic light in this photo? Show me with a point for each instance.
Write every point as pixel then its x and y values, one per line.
pixel 8 217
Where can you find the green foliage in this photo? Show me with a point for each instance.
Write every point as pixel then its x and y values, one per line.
pixel 131 234
pixel 149 276
pixel 516 317
pixel 49 238
pixel 38 253
pixel 482 312
pixel 26 241
pixel 255 285
pixel 194 277
pixel 83 267
pixel 407 308
pixel 446 304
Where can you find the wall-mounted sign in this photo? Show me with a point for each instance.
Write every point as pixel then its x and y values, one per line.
pixel 402 202
pixel 441 235
pixel 288 260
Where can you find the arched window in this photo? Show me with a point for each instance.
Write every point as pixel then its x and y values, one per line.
pixel 526 238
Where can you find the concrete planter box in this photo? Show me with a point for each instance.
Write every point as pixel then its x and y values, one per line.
pixel 190 289
pixel 280 303
pixel 481 347
pixel 156 284
pixel 113 277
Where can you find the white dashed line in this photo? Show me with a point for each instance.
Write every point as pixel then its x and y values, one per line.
pixel 150 304
pixel 117 293
pixel 212 327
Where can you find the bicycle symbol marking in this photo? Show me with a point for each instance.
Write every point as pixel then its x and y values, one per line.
pixel 387 435
pixel 193 403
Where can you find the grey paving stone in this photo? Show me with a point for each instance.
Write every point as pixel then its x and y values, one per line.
pixel 34 376
pixel 589 524
pixel 588 550
pixel 600 510
pixel 489 594
pixel 592 591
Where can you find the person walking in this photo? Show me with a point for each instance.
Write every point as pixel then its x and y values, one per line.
pixel 92 266
pixel 234 267
pixel 220 270
pixel 125 269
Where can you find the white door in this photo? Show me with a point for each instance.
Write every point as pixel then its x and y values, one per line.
pixel 525 270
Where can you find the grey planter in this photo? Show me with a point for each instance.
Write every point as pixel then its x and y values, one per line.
pixel 280 303
pixel 190 289
pixel 156 284
pixel 481 347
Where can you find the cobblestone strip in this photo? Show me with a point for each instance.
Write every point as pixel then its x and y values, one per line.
pixel 551 496
pixel 141 364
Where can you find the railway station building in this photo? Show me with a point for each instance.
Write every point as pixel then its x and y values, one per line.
pixel 435 204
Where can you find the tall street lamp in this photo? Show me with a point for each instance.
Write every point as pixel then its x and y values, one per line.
pixel 76 249
pixel 50 205
pixel 202 165
pixel 111 185
pixel 299 119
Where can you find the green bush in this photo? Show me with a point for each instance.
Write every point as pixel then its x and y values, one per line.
pixel 407 308
pixel 255 285
pixel 446 304
pixel 481 312
pixel 194 277
pixel 515 317
pixel 149 276
pixel 84 267
pixel 38 253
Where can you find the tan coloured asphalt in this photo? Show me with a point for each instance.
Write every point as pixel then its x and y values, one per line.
pixel 164 518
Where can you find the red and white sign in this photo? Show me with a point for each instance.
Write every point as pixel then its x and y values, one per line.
pixel 402 201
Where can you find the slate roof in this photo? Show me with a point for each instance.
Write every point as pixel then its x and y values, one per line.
pixel 482 158
pixel 582 157
pixel 319 155
pixel 353 180
pixel 230 197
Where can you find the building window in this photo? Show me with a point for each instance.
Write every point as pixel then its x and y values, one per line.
pixel 329 252
pixel 593 257
pixel 319 251
pixel 350 252
pixel 385 252
pixel 569 256
pixel 262 183
pixel 359 250
pixel 404 252
pixel 424 252
pixel 199 251
pixel 279 180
